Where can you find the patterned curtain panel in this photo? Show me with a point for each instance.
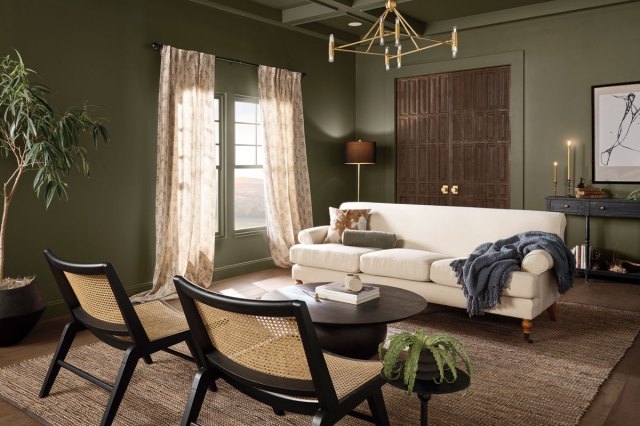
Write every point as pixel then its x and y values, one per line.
pixel 186 188
pixel 288 196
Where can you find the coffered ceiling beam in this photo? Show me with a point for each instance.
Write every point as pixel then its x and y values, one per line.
pixel 308 13
pixel 251 10
pixel 339 6
pixel 538 10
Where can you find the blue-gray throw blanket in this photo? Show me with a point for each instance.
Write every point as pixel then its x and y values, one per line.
pixel 485 273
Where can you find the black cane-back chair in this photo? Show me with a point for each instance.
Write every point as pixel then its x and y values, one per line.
pixel 98 302
pixel 269 350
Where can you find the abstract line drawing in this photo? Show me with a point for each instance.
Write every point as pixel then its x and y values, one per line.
pixel 631 113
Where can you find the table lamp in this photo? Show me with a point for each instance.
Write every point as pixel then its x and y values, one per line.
pixel 359 152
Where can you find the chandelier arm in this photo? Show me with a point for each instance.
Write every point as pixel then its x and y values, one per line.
pixel 363 41
pixel 362 52
pixel 406 24
pixel 415 50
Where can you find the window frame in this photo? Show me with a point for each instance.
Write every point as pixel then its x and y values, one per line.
pixel 255 100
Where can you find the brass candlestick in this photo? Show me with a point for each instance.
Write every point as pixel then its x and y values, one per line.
pixel 569 188
pixel 555 189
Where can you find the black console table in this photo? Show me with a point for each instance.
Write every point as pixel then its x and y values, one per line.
pixel 606 207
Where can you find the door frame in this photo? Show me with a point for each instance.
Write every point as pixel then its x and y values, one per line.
pixel 516 61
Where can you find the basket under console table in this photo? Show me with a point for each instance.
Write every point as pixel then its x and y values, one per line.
pixel 605 207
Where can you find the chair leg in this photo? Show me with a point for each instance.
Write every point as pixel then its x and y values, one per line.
pixel 68 334
pixel 278 411
pixel 147 359
pixel 378 409
pixel 298 281
pixel 196 396
pixel 321 418
pixel 127 367
pixel 527 325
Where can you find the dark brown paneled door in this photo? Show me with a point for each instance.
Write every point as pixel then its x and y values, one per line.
pixel 453 139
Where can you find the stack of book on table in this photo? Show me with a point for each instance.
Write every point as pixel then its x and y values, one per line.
pixel 589 193
pixel 338 293
pixel 582 255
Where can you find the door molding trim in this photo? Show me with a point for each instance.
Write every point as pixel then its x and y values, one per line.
pixel 515 59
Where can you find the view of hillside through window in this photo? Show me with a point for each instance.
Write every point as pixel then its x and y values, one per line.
pixel 249 178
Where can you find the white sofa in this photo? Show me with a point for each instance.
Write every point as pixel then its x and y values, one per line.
pixel 429 237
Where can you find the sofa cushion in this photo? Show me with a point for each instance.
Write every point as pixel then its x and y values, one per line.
pixel 377 239
pixel 329 256
pixel 406 264
pixel 345 219
pixel 521 284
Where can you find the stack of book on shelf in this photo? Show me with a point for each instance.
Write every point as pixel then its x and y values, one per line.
pixel 589 193
pixel 580 253
pixel 338 293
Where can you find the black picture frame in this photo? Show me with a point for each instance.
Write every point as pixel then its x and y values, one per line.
pixel 615 129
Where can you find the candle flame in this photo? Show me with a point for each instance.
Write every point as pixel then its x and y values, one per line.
pixel 555 163
pixel 568 143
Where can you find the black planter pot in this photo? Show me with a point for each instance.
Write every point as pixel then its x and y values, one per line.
pixel 20 310
pixel 427 366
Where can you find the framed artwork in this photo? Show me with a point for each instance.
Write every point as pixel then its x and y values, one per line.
pixel 616 132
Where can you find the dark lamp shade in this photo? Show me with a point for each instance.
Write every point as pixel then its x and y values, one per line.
pixel 360 152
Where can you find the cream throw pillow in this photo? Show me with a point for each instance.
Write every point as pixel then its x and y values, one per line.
pixel 345 219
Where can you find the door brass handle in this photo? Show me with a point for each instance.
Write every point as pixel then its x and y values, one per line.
pixel 444 189
pixel 454 189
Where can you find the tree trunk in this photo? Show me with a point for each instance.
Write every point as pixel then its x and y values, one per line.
pixel 5 208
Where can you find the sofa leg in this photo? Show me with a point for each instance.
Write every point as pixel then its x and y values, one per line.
pixel 527 325
pixel 553 312
pixel 298 282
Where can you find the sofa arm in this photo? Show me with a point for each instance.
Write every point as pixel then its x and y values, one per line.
pixel 314 235
pixel 537 261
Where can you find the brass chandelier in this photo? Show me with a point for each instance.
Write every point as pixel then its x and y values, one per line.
pixel 402 31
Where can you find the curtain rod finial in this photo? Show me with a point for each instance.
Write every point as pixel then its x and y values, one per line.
pixel 156 46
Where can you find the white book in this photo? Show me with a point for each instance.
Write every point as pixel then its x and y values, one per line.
pixel 338 293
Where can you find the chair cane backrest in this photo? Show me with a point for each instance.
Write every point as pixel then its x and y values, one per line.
pixel 94 292
pixel 95 296
pixel 274 338
pixel 271 345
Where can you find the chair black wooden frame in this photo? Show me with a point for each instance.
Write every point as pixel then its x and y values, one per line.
pixel 282 394
pixel 130 337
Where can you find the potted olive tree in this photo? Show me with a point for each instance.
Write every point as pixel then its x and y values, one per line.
pixel 33 138
pixel 422 356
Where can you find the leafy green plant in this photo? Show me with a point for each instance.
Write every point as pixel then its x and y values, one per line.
pixel 403 353
pixel 38 139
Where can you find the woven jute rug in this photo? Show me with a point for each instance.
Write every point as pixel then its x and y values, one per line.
pixel 549 382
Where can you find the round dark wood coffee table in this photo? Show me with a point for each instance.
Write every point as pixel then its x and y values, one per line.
pixel 353 330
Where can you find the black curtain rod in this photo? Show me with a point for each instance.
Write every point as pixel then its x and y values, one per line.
pixel 158 46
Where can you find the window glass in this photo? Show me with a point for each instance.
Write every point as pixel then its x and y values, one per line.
pixel 249 198
pixel 248 177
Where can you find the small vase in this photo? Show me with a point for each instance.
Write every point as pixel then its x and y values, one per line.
pixel 352 282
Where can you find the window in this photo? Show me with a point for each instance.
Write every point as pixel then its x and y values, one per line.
pixel 249 203
pixel 218 153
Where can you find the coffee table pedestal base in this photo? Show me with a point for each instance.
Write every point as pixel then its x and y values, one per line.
pixel 353 341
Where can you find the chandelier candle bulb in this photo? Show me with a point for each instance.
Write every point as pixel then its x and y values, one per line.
pixel 454 42
pixel 386 58
pixel 397 32
pixel 381 29
pixel 555 172
pixel 399 57
pixel 331 46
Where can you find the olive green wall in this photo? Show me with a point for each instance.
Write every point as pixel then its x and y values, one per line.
pixel 98 52
pixel 562 56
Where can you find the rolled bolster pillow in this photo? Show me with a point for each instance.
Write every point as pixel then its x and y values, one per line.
pixel 537 261
pixel 376 239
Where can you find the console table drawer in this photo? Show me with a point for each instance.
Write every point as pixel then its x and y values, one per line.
pixel 570 206
pixel 614 209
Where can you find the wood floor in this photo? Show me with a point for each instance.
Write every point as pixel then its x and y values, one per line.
pixel 616 402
